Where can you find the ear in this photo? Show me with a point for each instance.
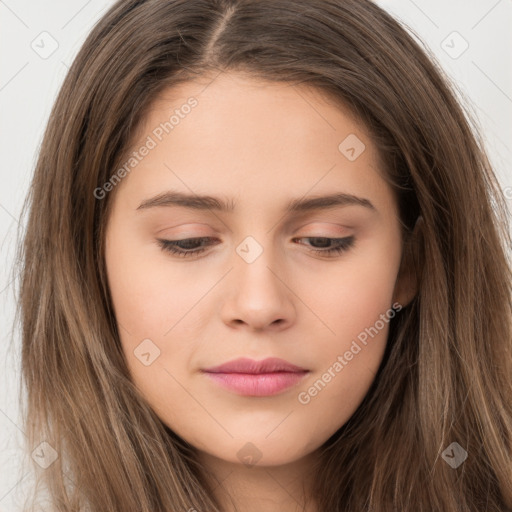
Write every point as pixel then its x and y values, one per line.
pixel 407 281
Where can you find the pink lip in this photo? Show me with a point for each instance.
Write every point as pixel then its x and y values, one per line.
pixel 256 378
pixel 245 365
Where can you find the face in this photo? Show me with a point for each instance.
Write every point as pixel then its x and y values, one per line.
pixel 266 268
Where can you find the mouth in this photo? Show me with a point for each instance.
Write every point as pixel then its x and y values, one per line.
pixel 248 377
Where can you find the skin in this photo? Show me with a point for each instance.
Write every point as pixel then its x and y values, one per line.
pixel 260 144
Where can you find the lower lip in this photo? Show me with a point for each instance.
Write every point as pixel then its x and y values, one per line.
pixel 261 384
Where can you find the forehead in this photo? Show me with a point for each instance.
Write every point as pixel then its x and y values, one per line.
pixel 242 99
pixel 233 133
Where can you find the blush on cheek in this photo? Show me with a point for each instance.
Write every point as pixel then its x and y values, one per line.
pixel 360 321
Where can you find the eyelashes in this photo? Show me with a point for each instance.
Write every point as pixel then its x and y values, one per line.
pixel 190 247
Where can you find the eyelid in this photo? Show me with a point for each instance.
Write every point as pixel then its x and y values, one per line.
pixel 192 235
pixel 335 229
pixel 341 230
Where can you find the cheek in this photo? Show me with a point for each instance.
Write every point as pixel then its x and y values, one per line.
pixel 149 295
pixel 353 294
pixel 354 301
pixel 152 303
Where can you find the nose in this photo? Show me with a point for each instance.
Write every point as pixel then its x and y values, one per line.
pixel 257 295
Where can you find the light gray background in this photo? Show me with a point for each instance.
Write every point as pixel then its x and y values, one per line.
pixel 30 79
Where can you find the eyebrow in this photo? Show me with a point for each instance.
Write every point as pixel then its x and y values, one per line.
pixel 206 202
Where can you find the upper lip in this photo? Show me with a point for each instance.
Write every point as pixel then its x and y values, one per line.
pixel 245 365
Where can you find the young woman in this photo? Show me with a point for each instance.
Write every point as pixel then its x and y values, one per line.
pixel 265 268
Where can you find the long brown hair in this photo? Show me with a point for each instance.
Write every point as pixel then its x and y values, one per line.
pixel 446 374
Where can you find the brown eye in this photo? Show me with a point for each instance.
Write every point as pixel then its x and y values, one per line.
pixel 340 244
pixel 186 247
